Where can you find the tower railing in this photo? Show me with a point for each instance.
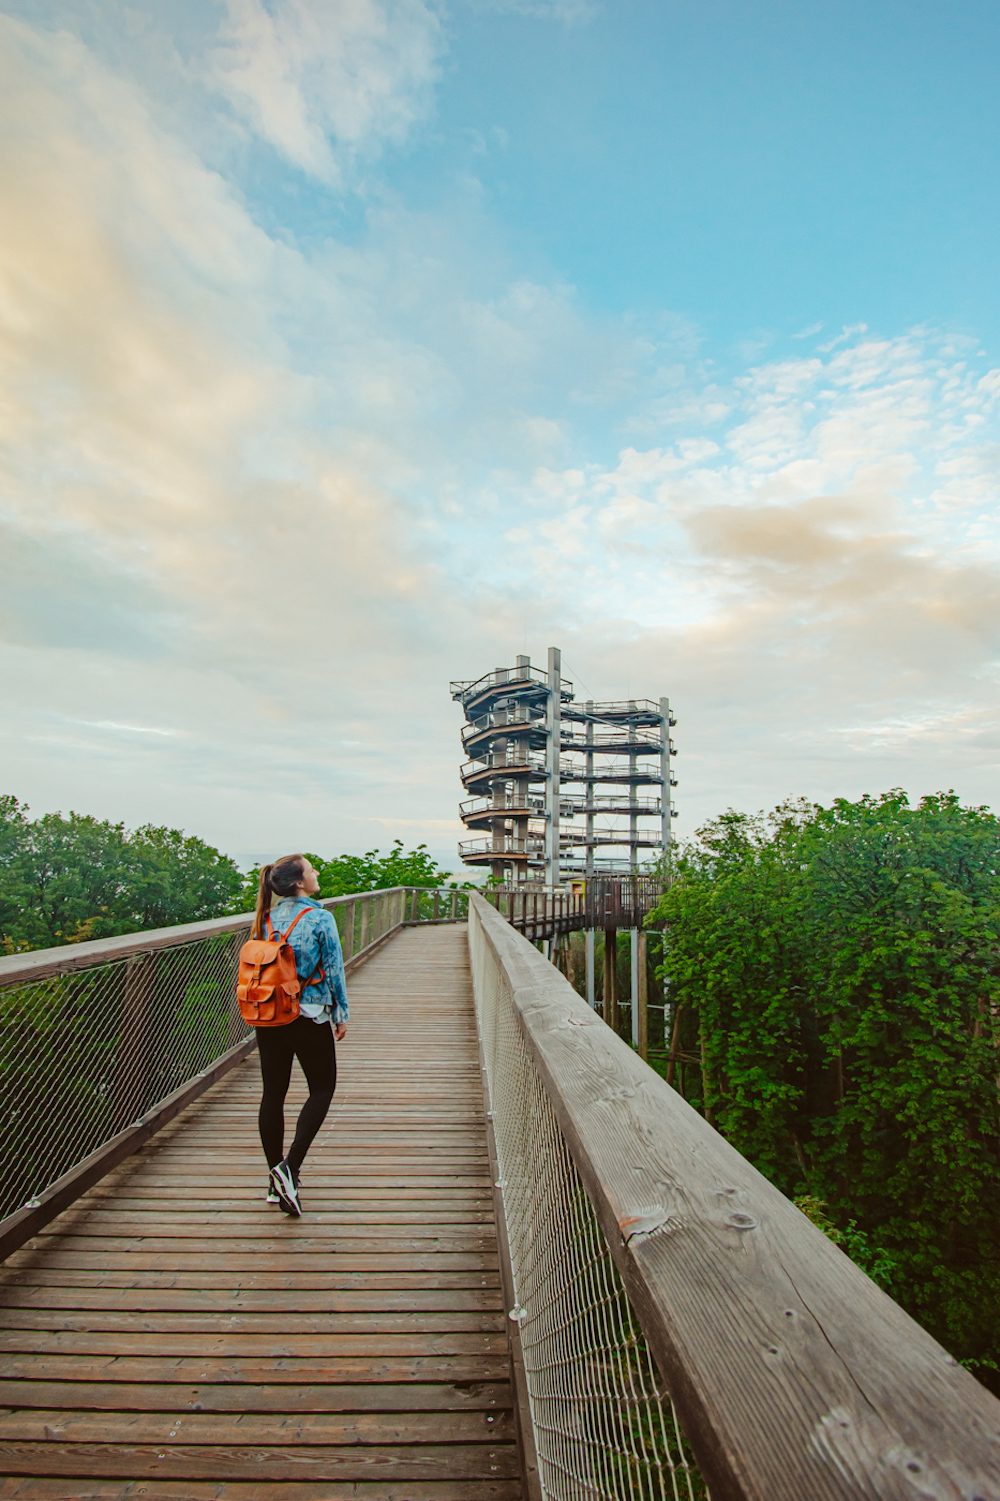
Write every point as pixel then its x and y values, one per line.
pixel 102 1043
pixel 673 1313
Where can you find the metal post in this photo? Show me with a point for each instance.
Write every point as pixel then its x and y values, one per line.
pixel 665 773
pixel 633 817
pixel 553 747
pixel 634 986
pixel 643 1007
pixel 588 794
pixel 591 997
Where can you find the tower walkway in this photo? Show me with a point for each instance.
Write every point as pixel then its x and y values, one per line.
pixel 171 1335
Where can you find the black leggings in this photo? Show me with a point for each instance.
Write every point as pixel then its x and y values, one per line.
pixel 313 1045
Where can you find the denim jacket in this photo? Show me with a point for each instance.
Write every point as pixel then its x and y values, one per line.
pixel 315 943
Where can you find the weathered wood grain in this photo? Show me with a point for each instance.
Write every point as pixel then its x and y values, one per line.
pixel 261 1426
pixel 217 1462
pixel 44 1488
pixel 273 1346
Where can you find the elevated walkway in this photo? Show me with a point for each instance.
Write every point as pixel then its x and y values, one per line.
pixel 528 1271
pixel 173 1336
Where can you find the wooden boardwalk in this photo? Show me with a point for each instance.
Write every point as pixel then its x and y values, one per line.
pixel 174 1336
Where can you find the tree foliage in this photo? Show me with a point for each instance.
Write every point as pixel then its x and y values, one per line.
pixel 834 982
pixel 68 879
pixel 374 871
pixel 346 874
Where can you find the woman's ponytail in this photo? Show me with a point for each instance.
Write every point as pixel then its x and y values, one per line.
pixel 264 895
pixel 280 879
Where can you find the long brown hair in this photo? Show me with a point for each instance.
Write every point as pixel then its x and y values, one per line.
pixel 279 879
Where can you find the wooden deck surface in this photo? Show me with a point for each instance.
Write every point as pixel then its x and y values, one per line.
pixel 174 1336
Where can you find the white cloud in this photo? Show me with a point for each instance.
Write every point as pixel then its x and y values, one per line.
pixel 276 500
pixel 322 80
pixel 569 12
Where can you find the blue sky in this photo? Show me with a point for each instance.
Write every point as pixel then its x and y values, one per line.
pixel 351 346
pixel 754 168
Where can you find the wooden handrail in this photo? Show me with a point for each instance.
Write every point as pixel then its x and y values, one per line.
pixel 795 1377
pixel 39 964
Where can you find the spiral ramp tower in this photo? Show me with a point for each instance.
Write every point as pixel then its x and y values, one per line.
pixel 558 789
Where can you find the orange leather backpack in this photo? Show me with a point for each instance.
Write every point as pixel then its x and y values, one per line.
pixel 268 986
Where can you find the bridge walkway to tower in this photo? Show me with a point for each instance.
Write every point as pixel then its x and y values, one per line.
pixel 172 1335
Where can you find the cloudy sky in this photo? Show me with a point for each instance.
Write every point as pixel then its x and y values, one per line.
pixel 351 346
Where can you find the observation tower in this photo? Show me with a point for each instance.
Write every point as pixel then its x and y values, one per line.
pixel 560 789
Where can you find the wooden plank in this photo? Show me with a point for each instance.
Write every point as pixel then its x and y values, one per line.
pixel 245 1228
pixel 376 1323
pixel 794 1375
pixel 389 1276
pixel 328 1368
pixel 234 1386
pixel 438 1201
pixel 280 1416
pixel 220 1239
pixel 78 1341
pixel 403 1270
pixel 45 1489
pixel 249 1461
pixel 417 1299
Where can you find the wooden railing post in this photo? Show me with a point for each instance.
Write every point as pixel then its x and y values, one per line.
pixel 611 978
pixel 134 1048
pixel 415 905
pixel 347 937
pixel 642 999
pixel 454 905
pixel 366 903
pixel 437 905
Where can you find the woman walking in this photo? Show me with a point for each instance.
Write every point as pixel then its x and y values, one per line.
pixel 285 905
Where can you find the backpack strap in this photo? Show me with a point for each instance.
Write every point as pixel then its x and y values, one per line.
pixel 284 936
pixel 319 970
pixel 272 932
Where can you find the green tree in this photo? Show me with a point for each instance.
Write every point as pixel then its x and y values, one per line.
pixel 346 874
pixel 834 981
pixel 68 879
pixel 374 871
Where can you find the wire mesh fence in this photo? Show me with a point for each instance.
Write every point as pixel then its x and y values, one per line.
pixel 604 1425
pixel 84 1054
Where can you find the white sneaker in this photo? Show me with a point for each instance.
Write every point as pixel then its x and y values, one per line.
pixel 272 1193
pixel 285 1187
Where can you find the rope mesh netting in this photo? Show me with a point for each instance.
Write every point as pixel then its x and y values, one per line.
pixel 85 1054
